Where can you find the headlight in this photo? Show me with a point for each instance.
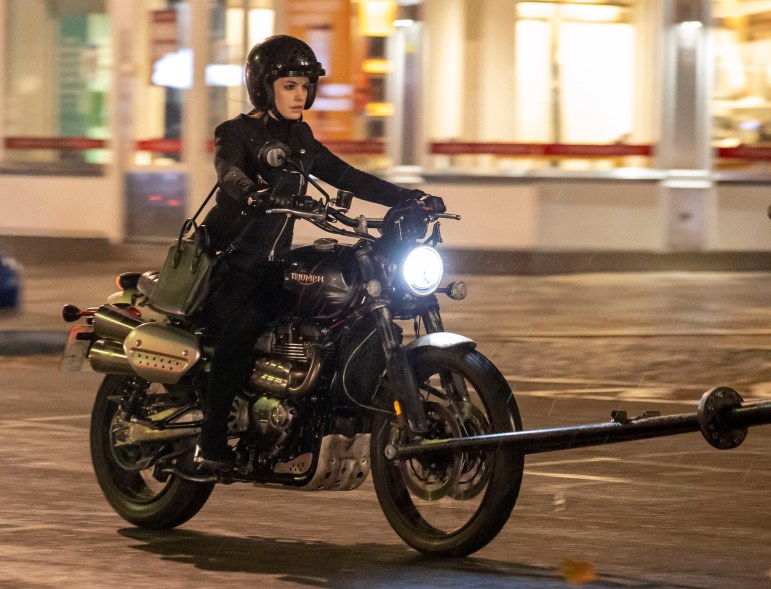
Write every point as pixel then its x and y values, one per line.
pixel 422 270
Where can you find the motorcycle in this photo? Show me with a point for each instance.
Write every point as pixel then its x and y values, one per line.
pixel 338 391
pixel 335 388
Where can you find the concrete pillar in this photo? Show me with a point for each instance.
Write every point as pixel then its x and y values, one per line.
pixel 494 67
pixel 688 201
pixel 3 57
pixel 195 133
pixel 404 133
pixel 2 82
pixel 646 124
pixel 123 17
pixel 445 34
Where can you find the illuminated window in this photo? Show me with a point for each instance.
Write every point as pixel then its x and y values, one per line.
pixel 56 95
pixel 741 104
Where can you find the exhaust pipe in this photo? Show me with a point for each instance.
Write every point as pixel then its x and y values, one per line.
pixel 112 322
pixel 112 325
pixel 107 356
pixel 127 345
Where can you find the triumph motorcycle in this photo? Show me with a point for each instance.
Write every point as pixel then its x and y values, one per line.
pixel 337 385
pixel 339 389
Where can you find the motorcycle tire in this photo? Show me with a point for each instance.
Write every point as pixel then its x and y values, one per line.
pixel 133 492
pixel 452 505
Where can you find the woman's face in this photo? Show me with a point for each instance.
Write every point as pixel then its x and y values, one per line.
pixel 290 96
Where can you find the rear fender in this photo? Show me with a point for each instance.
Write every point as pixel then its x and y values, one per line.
pixel 136 299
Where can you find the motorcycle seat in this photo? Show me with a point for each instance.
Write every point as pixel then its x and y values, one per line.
pixel 147 282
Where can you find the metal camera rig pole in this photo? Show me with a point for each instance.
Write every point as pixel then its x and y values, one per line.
pixel 721 418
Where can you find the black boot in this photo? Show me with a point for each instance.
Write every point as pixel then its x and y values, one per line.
pixel 214 452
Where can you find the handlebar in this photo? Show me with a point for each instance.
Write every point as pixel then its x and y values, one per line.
pixel 299 214
pixel 275 154
pixel 325 215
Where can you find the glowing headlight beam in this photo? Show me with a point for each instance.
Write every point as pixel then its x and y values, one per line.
pixel 423 270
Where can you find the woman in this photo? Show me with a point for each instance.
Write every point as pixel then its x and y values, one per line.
pixel 282 79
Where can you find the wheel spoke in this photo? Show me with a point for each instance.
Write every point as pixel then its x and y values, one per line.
pixel 127 468
pixel 443 487
pixel 452 503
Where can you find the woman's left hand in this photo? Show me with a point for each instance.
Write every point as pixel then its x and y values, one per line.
pixel 435 204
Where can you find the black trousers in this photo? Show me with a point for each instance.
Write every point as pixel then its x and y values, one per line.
pixel 240 307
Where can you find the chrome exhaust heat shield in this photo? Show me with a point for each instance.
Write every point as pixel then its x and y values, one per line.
pixel 161 353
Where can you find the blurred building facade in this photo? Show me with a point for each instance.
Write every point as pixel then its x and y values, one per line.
pixel 559 125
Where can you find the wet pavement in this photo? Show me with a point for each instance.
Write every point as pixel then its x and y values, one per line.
pixel 671 512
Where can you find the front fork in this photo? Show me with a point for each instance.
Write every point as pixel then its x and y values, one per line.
pixel 403 384
pixel 400 379
pixel 454 386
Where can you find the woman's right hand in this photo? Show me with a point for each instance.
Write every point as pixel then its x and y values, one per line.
pixel 266 198
pixel 282 201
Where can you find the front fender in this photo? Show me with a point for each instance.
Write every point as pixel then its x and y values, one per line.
pixel 400 371
pixel 401 378
pixel 443 339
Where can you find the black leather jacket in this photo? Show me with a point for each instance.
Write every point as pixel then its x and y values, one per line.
pixel 255 234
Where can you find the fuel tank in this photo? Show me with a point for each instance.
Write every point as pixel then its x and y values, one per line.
pixel 324 279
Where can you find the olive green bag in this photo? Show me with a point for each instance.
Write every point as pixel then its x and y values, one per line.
pixel 185 279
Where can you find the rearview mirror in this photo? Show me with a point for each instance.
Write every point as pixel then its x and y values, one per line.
pixel 274 154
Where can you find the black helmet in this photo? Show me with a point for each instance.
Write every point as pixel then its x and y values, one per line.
pixel 280 56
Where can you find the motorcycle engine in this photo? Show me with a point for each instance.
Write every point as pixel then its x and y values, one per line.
pixel 287 368
pixel 268 419
pixel 290 363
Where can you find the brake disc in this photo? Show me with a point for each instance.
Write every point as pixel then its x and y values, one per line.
pixel 474 469
pixel 431 478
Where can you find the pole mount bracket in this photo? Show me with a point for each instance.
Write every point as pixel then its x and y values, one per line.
pixel 714 414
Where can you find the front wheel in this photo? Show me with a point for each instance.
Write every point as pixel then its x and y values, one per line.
pixel 452 504
pixel 125 468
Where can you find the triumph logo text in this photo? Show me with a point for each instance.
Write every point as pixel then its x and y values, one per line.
pixel 306 279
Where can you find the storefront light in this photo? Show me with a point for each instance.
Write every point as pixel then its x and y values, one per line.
pixel 376 17
pixel 691 25
pixel 573 12
pixel 598 14
pixel 688 33
pixel 379 109
pixel 175 70
pixel 376 66
pixel 535 10
pixel 261 24
pixel 224 75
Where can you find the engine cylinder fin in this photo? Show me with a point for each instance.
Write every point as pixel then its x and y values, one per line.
pixel 293 351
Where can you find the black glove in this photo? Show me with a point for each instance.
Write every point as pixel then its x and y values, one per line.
pixel 282 201
pixel 435 204
pixel 259 199
pixel 306 203
pixel 267 198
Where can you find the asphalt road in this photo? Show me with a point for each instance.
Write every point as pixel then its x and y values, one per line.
pixel 669 512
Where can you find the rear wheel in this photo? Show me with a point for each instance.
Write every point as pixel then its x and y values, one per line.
pixel 126 469
pixel 452 504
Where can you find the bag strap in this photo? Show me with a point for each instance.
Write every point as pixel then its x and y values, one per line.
pixel 206 200
pixel 191 224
